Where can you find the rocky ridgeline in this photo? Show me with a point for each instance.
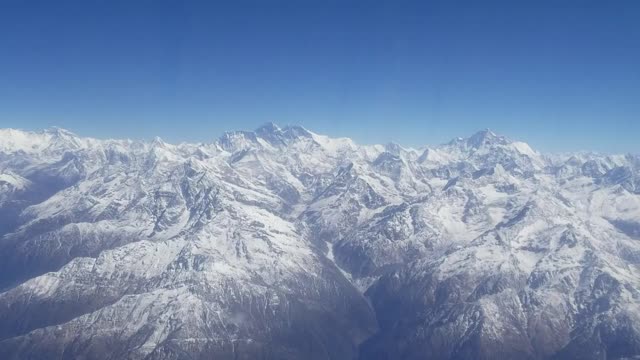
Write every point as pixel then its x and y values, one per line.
pixel 280 243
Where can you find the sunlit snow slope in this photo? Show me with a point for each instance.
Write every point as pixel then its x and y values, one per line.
pixel 280 243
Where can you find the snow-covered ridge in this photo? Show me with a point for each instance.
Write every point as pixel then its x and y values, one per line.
pixel 272 136
pixel 245 246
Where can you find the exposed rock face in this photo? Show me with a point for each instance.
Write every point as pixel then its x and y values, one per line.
pixel 283 244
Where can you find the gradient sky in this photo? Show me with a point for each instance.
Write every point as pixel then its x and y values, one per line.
pixel 562 75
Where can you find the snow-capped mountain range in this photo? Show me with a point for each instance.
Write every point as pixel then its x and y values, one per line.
pixel 280 243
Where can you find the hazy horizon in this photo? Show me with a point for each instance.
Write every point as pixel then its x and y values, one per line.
pixel 215 137
pixel 562 77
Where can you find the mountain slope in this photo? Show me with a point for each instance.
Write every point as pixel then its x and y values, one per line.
pixel 280 243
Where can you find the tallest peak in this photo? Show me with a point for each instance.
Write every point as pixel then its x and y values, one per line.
pixel 485 137
pixel 486 132
pixel 482 138
pixel 268 127
pixel 58 131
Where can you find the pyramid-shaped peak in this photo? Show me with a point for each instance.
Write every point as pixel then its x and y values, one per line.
pixel 58 131
pixel 296 131
pixel 393 148
pixel 268 127
pixel 485 137
pixel 484 134
pixel 157 141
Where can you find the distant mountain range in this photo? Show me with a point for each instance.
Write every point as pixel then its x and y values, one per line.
pixel 280 243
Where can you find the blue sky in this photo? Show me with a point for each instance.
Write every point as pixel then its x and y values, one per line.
pixel 562 75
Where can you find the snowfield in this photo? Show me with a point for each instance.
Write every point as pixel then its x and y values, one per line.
pixel 280 243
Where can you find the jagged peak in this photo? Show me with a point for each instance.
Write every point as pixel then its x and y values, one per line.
pixel 270 130
pixel 50 139
pixel 269 127
pixel 58 131
pixel 425 155
pixel 297 131
pixel 158 144
pixel 236 140
pixel 158 141
pixel 385 157
pixel 268 133
pixel 394 148
pixel 485 137
pixel 52 131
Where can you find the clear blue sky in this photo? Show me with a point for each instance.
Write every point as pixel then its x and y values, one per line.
pixel 562 75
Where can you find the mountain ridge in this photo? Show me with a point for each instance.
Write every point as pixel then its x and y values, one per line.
pixel 282 243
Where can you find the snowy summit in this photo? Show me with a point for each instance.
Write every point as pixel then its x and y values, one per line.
pixel 281 243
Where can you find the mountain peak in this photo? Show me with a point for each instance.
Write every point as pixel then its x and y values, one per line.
pixel 58 131
pixel 269 132
pixel 393 148
pixel 268 127
pixel 484 137
pixel 285 215
pixel 276 135
pixel 158 142
pixel 480 139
